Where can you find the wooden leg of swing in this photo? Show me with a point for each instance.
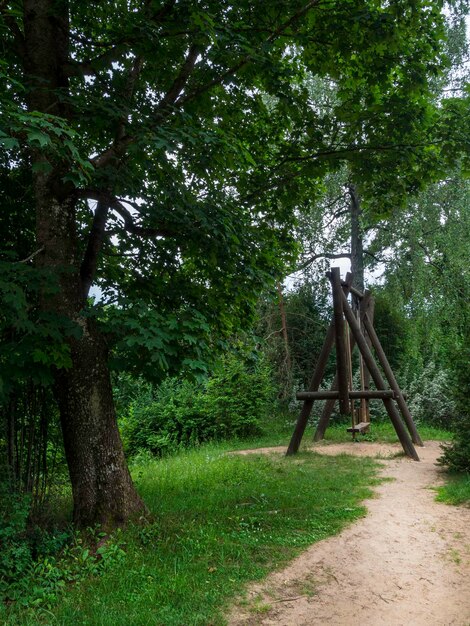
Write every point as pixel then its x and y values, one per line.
pixel 314 385
pixel 350 379
pixel 367 306
pixel 326 414
pixel 330 404
pixel 392 382
pixel 302 420
pixel 379 382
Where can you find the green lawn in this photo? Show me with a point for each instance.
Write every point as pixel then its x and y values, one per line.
pixel 456 491
pixel 280 432
pixel 220 521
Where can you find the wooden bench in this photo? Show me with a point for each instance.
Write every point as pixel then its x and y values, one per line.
pixel 359 428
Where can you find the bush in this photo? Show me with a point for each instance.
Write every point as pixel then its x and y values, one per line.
pixel 36 565
pixel 15 550
pixel 430 397
pixel 180 413
pixel 457 455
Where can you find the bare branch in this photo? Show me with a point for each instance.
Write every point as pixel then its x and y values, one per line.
pixel 323 255
pixel 31 256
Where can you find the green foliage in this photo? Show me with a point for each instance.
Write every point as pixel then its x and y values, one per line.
pixel 456 456
pixel 15 552
pixel 220 521
pixel 36 565
pixel 32 341
pixel 430 397
pixel 392 328
pixel 215 156
pixel 179 412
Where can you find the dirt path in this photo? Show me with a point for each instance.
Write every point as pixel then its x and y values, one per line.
pixel 406 563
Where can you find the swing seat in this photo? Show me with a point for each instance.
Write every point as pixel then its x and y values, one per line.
pixel 359 428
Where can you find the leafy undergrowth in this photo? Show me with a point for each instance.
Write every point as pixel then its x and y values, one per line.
pixel 456 491
pixel 219 521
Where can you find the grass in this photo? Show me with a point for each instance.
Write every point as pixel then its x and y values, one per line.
pixel 384 432
pixel 219 521
pixel 456 491
pixel 279 433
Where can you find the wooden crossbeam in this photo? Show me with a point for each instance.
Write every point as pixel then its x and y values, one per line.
pixel 364 337
pixel 352 395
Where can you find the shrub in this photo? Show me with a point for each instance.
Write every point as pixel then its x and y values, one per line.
pixel 430 397
pixel 180 413
pixel 15 550
pixel 457 455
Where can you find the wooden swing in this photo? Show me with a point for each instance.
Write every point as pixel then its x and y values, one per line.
pixel 348 330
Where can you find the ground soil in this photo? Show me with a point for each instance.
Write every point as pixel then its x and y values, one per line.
pixel 406 563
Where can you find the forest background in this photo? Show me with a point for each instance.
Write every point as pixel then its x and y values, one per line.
pixel 175 180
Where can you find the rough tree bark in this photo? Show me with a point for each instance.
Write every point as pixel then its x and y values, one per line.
pixel 102 487
pixel 357 241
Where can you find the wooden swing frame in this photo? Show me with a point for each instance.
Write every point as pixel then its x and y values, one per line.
pixel 346 331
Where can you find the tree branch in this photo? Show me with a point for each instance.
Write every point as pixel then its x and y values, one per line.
pixel 129 225
pixel 31 256
pixel 323 255
pixel 180 81
pixel 90 67
pixel 173 99
pixel 376 258
pixel 94 244
pixel 248 57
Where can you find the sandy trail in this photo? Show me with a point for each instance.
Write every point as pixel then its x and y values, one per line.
pixel 406 563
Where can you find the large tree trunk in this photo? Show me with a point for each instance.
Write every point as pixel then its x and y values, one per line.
pixel 102 488
pixel 357 241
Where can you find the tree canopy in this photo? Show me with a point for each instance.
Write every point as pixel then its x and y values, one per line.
pixel 160 150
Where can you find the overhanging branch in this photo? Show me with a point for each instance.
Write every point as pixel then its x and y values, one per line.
pixel 130 226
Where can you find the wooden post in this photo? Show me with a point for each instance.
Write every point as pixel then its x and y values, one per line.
pixel 314 385
pixel 392 381
pixel 330 404
pixel 367 305
pixel 341 349
pixel 350 374
pixel 326 413
pixel 378 380
pixel 317 377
